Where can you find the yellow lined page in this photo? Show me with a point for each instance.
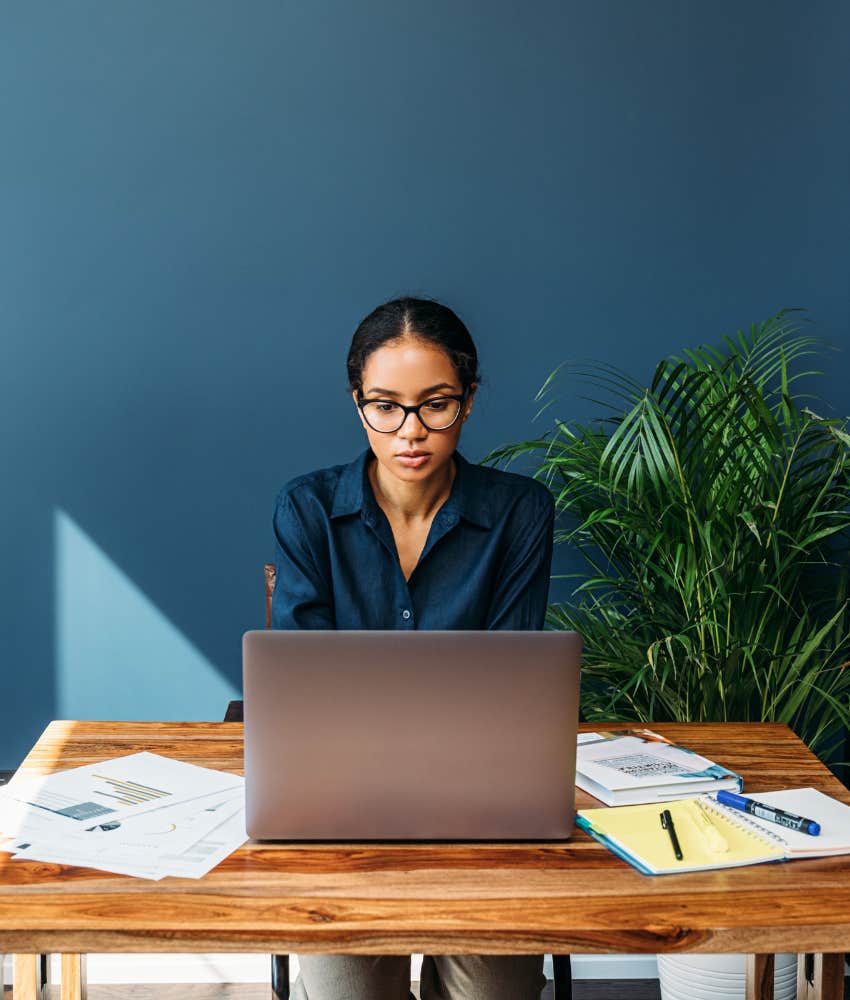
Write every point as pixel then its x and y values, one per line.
pixel 638 830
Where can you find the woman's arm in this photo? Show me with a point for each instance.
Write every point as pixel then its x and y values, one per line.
pixel 301 597
pixel 522 590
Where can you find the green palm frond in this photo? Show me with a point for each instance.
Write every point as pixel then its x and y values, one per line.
pixel 712 511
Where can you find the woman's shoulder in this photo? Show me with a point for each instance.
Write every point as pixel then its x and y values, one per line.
pixel 319 482
pixel 319 488
pixel 505 489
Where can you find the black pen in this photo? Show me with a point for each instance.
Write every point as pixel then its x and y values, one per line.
pixel 667 823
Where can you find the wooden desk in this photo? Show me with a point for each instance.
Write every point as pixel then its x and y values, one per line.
pixel 437 898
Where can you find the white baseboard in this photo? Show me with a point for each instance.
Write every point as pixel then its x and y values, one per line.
pixel 609 967
pixel 232 968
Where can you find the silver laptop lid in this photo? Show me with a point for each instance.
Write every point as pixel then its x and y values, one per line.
pixel 384 735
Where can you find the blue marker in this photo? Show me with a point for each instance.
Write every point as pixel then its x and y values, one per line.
pixel 770 813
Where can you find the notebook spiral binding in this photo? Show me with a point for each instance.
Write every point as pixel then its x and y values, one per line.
pixel 741 820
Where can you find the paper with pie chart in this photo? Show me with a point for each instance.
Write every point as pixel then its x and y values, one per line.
pixel 141 815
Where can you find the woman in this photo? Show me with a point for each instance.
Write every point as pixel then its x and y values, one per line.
pixel 412 536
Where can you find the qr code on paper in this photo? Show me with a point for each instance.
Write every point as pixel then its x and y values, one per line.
pixel 641 765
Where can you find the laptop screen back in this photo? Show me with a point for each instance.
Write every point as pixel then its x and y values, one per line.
pixel 385 735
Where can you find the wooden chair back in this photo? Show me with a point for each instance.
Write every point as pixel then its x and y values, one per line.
pixel 270 578
pixel 235 709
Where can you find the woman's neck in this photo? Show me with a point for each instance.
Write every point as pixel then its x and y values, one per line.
pixel 411 501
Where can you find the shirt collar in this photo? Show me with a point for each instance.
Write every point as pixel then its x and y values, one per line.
pixel 348 495
pixel 468 498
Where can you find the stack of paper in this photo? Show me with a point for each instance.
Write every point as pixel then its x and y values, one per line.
pixel 625 766
pixel 141 815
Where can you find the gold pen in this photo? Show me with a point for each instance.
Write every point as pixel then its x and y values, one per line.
pixel 714 838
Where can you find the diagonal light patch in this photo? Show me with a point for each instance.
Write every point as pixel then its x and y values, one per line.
pixel 117 655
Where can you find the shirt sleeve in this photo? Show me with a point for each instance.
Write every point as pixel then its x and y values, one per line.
pixel 302 597
pixel 521 592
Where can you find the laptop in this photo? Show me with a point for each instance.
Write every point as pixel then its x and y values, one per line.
pixel 394 735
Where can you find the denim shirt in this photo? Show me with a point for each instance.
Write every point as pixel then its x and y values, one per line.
pixel 485 564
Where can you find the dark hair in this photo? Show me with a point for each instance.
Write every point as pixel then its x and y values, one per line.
pixel 423 319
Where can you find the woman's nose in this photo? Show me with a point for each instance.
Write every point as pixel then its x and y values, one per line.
pixel 412 427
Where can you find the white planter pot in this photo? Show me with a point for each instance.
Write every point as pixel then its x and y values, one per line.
pixel 719 977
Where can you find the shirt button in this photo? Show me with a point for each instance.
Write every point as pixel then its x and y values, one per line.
pixel 405 614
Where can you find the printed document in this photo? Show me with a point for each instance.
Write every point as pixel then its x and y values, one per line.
pixel 141 815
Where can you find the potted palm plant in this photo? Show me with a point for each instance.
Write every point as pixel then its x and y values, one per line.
pixel 711 510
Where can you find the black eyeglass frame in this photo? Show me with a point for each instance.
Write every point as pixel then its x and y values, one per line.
pixel 462 398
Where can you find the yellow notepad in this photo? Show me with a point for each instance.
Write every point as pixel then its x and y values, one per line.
pixel 635 834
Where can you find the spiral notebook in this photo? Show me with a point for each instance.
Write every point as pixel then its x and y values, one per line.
pixel 716 836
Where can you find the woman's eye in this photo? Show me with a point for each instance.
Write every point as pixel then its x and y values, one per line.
pixel 437 405
pixel 385 407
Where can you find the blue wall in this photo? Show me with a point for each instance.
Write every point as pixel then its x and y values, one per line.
pixel 200 200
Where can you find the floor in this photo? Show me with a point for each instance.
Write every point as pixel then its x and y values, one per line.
pixel 583 989
pixel 587 989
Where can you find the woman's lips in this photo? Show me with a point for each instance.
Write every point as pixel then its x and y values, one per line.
pixel 413 461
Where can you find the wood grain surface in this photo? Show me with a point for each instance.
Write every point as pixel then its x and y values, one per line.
pixel 428 897
pixel 25 976
pixel 760 975
pixel 827 977
pixel 73 977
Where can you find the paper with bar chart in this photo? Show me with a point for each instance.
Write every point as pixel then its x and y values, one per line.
pixel 142 815
pixel 116 789
pixel 191 862
pixel 171 838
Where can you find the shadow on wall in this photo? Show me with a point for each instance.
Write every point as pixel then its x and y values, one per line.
pixel 117 656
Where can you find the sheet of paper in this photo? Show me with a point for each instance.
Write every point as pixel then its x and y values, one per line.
pixel 116 789
pixel 637 830
pixel 643 760
pixel 193 862
pixel 170 829
pixel 833 816
pixel 20 820
pixel 207 853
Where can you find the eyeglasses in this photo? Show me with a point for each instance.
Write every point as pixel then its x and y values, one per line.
pixel 436 414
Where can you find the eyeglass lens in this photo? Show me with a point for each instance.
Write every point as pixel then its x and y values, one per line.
pixel 436 414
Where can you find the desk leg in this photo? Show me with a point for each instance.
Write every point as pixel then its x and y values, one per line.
pixel 45 975
pixel 820 977
pixel 759 977
pixel 26 976
pixel 73 977
pixel 280 977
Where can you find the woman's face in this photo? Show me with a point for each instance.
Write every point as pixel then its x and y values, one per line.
pixel 411 371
